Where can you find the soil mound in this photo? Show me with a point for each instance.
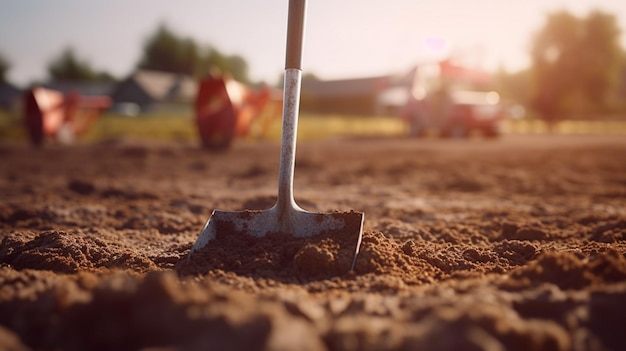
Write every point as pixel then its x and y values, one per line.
pixel 65 252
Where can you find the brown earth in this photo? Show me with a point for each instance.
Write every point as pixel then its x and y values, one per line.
pixel 511 244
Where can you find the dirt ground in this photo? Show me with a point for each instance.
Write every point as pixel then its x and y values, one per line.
pixel 510 244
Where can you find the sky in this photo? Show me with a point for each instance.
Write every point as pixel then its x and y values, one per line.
pixel 343 38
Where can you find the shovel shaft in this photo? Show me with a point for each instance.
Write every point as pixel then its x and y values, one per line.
pixel 291 105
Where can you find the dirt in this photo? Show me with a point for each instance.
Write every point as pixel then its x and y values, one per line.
pixel 510 244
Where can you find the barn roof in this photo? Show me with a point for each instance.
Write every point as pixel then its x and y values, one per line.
pixel 83 88
pixel 162 86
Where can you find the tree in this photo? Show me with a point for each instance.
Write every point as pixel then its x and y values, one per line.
pixel 602 56
pixel 574 64
pixel 514 86
pixel 4 68
pixel 234 65
pixel 68 67
pixel 238 67
pixel 167 51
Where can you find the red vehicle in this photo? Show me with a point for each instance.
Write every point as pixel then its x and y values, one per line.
pixel 452 101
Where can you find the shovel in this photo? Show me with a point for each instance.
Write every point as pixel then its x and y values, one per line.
pixel 286 217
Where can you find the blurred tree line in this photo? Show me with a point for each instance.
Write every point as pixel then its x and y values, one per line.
pixel 578 68
pixel 68 67
pixel 164 51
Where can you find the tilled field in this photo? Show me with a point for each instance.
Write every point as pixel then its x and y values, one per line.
pixel 511 244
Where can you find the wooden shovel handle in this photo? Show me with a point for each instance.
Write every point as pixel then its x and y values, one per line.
pixel 295 34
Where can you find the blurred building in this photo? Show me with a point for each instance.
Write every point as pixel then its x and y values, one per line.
pixel 369 96
pixel 151 90
pixel 358 96
pixel 9 96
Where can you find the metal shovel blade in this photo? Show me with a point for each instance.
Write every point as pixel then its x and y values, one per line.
pixel 290 221
pixel 286 217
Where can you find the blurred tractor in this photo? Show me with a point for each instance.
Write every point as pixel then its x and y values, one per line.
pixel 226 108
pixel 452 101
pixel 50 114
